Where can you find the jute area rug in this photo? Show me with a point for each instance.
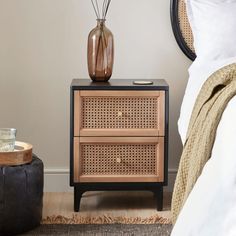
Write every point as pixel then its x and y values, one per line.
pixel 106 208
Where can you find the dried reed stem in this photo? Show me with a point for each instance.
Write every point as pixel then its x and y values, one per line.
pixel 104 8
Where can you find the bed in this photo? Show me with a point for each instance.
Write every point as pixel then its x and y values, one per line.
pixel 209 42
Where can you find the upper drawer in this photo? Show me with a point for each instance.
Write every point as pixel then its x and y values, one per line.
pixel 119 113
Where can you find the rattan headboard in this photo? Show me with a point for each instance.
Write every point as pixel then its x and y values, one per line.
pixel 181 28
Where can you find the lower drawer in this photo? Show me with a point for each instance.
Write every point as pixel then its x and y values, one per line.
pixel 118 159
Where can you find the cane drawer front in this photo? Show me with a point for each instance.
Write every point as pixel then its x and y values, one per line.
pixel 119 113
pixel 106 159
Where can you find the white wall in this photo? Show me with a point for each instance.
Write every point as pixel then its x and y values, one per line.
pixel 43 47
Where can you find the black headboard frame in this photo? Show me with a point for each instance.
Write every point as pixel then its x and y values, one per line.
pixel 176 26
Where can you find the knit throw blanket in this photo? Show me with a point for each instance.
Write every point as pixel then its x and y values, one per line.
pixel 208 109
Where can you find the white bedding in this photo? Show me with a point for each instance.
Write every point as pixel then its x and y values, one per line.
pixel 210 209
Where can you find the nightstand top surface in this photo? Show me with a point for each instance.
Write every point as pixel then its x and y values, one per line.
pixel 118 84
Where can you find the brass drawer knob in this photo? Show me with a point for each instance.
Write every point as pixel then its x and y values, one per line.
pixel 118 160
pixel 119 113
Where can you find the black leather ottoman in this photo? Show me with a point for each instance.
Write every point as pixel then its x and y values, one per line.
pixel 21 197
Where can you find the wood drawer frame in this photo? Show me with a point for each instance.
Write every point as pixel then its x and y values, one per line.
pixel 79 131
pixel 159 141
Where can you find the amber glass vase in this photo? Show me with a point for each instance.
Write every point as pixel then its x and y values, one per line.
pixel 100 52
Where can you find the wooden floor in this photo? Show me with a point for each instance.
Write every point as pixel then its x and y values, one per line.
pixel 93 204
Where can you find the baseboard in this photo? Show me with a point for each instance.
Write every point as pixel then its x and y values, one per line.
pixel 57 180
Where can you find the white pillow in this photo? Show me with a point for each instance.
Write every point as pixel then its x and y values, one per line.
pixel 199 72
pixel 213 23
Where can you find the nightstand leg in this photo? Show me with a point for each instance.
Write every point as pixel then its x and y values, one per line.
pixel 159 198
pixel 77 198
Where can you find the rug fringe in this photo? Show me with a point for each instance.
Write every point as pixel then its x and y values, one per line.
pixel 105 219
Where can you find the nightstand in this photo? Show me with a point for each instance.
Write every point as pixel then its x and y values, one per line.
pixel 118 137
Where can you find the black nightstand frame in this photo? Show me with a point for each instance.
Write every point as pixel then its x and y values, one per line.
pixel 115 84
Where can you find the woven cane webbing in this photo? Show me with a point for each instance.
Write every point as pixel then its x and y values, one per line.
pixel 120 112
pixel 119 159
pixel 184 24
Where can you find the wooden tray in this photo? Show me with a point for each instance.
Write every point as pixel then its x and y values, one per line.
pixel 21 155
